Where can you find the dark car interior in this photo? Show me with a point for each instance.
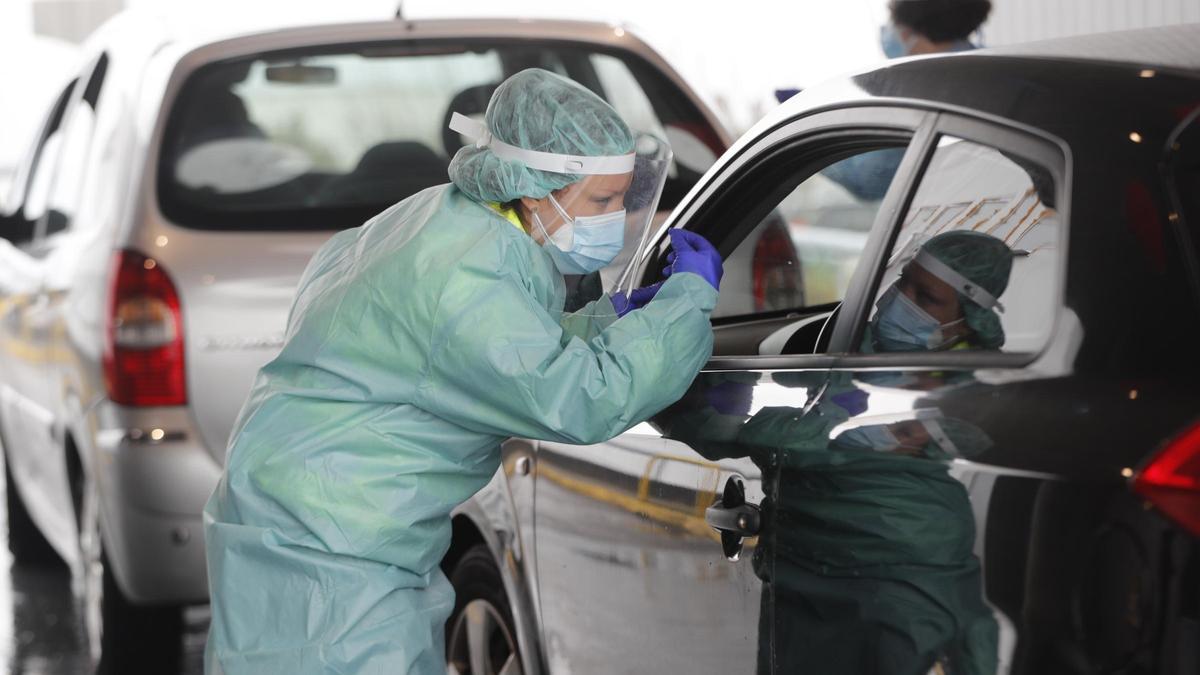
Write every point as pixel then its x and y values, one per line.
pixel 751 199
pixel 209 109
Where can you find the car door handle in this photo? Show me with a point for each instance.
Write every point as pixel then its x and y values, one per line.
pixel 741 520
pixel 734 518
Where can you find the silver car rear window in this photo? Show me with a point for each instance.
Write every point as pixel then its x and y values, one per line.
pixel 322 139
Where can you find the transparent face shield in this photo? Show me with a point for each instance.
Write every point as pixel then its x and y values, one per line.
pixel 604 222
pixel 597 229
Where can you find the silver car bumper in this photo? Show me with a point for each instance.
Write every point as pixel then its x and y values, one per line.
pixel 153 481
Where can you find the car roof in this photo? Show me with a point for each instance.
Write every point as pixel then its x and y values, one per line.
pixel 186 35
pixel 1172 47
pixel 1105 85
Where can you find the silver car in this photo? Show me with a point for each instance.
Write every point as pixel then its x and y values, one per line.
pixel 154 239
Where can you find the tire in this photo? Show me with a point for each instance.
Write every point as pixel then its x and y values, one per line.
pixel 25 540
pixel 481 634
pixel 137 639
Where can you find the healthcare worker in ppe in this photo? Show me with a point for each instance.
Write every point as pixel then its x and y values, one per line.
pixel 419 342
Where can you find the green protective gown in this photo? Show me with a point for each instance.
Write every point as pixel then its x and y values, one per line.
pixel 417 343
pixel 872 568
pixel 868 556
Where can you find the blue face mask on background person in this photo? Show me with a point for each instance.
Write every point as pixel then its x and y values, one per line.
pixel 889 39
pixel 899 325
pixel 583 244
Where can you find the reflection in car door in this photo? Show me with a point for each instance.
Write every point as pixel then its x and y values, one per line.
pixel 631 577
pixel 887 489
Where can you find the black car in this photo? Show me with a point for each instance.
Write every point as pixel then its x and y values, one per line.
pixel 849 488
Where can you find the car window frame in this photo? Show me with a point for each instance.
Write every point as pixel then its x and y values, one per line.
pixel 89 86
pixel 35 156
pixel 815 127
pixel 1051 153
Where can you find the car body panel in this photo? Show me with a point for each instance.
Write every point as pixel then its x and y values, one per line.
pixel 1059 564
pixel 630 515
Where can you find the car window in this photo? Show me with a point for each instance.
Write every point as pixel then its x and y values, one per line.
pixel 30 191
pixel 976 261
pixel 325 139
pixel 804 251
pixel 79 126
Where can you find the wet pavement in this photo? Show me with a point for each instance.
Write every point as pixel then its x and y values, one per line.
pixel 41 625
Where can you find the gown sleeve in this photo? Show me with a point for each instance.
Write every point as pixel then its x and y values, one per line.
pixel 500 363
pixel 589 321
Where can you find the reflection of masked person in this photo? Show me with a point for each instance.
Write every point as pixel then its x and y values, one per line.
pixel 873 567
pixel 947 297
pixel 867 543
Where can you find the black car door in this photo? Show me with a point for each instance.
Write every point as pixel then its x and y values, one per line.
pixel 648 552
pixel 900 509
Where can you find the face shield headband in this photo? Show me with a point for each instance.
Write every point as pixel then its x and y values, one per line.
pixel 542 161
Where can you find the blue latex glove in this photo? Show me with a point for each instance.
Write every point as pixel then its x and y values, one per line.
pixel 637 298
pixel 693 253
pixel 731 397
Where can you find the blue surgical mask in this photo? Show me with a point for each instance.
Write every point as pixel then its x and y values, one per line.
pixel 899 325
pixel 889 39
pixel 583 244
pixel 878 438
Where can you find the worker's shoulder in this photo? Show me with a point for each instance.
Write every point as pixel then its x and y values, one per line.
pixel 435 233
pixel 465 229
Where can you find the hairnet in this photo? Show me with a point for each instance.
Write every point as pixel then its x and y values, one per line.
pixel 538 110
pixel 985 261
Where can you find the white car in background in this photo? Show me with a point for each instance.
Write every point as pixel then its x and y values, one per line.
pixel 157 231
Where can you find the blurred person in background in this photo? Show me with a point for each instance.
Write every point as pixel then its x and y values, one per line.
pixel 918 27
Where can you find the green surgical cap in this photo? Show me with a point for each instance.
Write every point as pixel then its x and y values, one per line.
pixel 985 261
pixel 538 110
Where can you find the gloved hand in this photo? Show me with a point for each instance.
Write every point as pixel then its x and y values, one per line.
pixel 693 253
pixel 637 298
pixel 731 397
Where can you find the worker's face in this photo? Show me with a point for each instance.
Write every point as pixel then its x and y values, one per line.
pixel 936 297
pixel 592 196
pixel 912 436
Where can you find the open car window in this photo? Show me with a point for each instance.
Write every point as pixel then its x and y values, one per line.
pixel 803 252
pixel 323 139
pixel 792 219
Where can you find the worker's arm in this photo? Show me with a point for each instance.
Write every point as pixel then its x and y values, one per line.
pixel 499 362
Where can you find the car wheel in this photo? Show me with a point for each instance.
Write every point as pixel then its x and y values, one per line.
pixel 132 638
pixel 25 540
pixel 122 637
pixel 480 635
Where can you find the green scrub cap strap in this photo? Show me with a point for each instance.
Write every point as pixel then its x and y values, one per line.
pixel 542 161
pixel 939 436
pixel 960 283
